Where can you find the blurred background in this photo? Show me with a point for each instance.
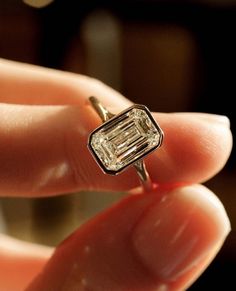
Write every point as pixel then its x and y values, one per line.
pixel 175 55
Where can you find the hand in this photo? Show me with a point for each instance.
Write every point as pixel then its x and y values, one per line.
pixel 152 241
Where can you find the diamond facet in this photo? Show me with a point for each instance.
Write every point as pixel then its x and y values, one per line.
pixel 125 138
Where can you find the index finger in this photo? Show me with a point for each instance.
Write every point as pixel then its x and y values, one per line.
pixel 43 149
pixel 32 85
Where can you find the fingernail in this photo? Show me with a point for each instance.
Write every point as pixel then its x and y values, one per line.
pixel 215 118
pixel 181 230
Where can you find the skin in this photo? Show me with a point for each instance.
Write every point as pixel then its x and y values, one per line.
pixel 162 240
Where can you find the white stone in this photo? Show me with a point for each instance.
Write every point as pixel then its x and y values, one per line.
pixel 125 138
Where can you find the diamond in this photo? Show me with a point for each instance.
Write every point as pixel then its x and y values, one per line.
pixel 125 138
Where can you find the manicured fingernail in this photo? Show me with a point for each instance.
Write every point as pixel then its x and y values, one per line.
pixel 181 230
pixel 215 118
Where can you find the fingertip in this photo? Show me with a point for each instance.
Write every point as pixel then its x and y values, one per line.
pixel 209 203
pixel 195 148
pixel 178 237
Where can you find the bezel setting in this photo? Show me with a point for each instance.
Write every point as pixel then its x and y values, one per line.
pixel 125 139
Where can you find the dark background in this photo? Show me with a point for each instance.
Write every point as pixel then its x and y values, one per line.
pixel 175 55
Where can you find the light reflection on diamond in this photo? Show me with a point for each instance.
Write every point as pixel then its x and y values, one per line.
pixel 126 138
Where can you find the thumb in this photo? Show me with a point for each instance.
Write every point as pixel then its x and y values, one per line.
pixel 146 242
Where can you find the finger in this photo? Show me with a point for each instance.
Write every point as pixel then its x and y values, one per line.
pixel 146 242
pixel 43 151
pixel 29 84
pixel 196 147
pixel 20 262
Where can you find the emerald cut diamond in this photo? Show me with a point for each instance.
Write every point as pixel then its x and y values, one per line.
pixel 125 139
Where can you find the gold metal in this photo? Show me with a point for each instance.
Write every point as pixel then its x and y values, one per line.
pixel 143 175
pixel 101 110
pixel 140 167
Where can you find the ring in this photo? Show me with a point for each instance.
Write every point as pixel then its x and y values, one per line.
pixel 123 140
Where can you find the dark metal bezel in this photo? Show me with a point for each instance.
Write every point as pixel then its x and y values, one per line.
pixel 97 159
